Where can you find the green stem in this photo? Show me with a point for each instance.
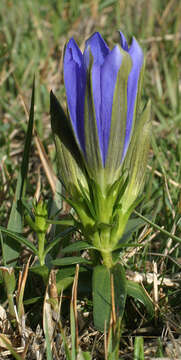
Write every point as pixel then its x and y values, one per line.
pixel 41 247
pixel 107 259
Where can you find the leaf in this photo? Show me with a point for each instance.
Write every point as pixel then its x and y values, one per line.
pixel 70 261
pixel 132 226
pixel 40 270
pixel 32 300
pixel 20 239
pixel 138 293
pixel 63 284
pixel 57 239
pixel 101 284
pixel 120 289
pixel 11 249
pixel 77 246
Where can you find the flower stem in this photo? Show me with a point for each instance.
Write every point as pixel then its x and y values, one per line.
pixel 107 259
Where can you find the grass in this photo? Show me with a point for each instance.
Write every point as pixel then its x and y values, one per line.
pixel 32 35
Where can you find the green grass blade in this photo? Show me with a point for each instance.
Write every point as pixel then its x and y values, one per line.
pixel 48 345
pixel 165 232
pixel 15 223
pixel 138 348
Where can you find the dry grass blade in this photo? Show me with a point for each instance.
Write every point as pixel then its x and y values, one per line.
pixel 52 179
pixel 159 174
pixel 48 313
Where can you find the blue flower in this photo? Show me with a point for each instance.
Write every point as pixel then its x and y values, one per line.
pixel 102 145
pixel 101 89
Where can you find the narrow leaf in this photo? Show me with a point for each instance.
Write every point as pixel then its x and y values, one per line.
pixel 70 261
pixel 11 249
pixel 19 238
pixel 77 246
pixel 137 292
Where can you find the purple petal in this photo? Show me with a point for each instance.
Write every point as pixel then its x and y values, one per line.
pixel 75 82
pixel 109 73
pixel 98 48
pixel 124 43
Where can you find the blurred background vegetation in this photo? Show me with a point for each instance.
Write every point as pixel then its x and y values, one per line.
pixel 32 37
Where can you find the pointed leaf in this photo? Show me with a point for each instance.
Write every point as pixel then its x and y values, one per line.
pixel 70 261
pixel 120 289
pixel 101 284
pixel 11 249
pixel 77 246
pixel 132 226
pixel 20 239
pixel 138 293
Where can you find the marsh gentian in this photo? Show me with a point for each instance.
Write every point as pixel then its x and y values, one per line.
pixel 102 137
pixel 101 88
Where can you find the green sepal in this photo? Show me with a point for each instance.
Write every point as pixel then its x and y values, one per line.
pixel 136 159
pixel 93 159
pixel 70 165
pixel 118 120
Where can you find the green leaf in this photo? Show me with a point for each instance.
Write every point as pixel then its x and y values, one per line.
pixel 11 249
pixel 20 239
pixel 70 261
pixel 132 226
pixel 77 246
pixel 120 289
pixel 138 348
pixel 63 284
pixel 60 236
pixel 138 293
pixel 42 271
pixel 32 300
pixel 101 284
